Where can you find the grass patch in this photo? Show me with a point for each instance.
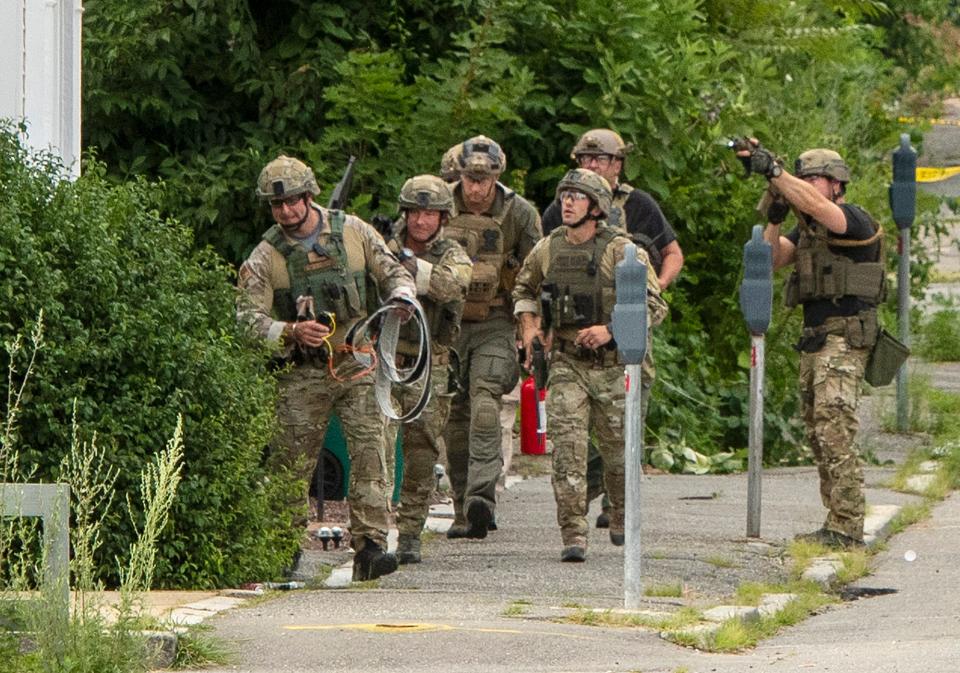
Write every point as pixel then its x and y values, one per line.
pixel 856 564
pixel 720 561
pixel 517 608
pixel 198 648
pixel 736 635
pixel 939 337
pixel 673 590
pixel 685 617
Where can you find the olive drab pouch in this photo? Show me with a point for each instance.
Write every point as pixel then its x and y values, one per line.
pixel 886 358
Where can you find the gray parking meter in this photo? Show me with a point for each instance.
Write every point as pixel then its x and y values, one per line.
pixel 630 330
pixel 756 303
pixel 630 312
pixel 756 290
pixel 903 189
pixel 903 205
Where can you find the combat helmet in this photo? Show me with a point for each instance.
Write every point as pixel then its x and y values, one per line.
pixel 426 192
pixel 481 157
pixel 593 185
pixel 601 141
pixel 286 176
pixel 822 162
pixel 450 164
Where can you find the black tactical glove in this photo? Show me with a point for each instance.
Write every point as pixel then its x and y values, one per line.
pixel 764 162
pixel 777 212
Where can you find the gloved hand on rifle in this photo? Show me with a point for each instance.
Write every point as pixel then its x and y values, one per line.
pixel 756 158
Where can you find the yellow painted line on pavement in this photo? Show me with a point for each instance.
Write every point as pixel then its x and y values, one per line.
pixel 934 174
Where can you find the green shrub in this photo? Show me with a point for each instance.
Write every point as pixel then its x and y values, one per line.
pixel 139 327
pixel 940 337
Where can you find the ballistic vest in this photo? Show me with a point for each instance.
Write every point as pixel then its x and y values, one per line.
pixel 617 218
pixel 573 281
pixel 482 238
pixel 322 273
pixel 443 320
pixel 821 273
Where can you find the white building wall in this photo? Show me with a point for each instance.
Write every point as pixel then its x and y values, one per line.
pixel 40 72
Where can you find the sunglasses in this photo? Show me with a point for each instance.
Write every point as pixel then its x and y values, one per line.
pixel 286 201
pixel 572 195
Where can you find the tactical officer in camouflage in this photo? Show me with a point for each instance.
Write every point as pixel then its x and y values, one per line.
pixel 585 383
pixel 604 152
pixel 450 163
pixel 441 269
pixel 497 228
pixel 838 279
pixel 304 286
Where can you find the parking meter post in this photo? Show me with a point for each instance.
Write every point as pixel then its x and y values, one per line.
pixel 629 326
pixel 755 456
pixel 756 304
pixel 903 205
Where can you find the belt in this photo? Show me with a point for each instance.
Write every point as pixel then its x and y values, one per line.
pixel 602 356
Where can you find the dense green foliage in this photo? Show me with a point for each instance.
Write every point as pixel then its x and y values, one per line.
pixel 939 338
pixel 139 327
pixel 201 93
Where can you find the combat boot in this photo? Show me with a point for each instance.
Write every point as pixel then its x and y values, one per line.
pixel 617 539
pixel 603 520
pixel 573 554
pixel 408 549
pixel 479 516
pixel 372 562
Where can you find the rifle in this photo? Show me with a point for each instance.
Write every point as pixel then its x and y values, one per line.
pixel 539 366
pixel 342 191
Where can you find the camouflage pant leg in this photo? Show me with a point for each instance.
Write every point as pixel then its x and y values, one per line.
pixel 489 360
pixel 363 429
pixel 830 390
pixel 422 447
pixel 608 403
pixel 457 440
pixel 595 485
pixel 303 412
pixel 568 420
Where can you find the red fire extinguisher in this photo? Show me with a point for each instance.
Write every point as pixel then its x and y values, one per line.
pixel 531 441
pixel 533 410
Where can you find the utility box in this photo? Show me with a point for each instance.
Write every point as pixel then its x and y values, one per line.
pixel 40 73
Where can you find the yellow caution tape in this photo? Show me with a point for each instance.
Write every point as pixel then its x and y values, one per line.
pixel 934 174
pixel 936 122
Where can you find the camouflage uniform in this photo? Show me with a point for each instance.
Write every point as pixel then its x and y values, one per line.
pixel 830 391
pixel 639 215
pixel 270 278
pixel 497 242
pixel 442 277
pixel 838 279
pixel 585 387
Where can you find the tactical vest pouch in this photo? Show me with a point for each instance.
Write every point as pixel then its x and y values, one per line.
pixel 886 358
pixel 791 291
pixel 863 280
pixel 484 283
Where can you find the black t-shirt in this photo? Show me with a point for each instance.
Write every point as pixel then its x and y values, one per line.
pixel 859 228
pixel 643 216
